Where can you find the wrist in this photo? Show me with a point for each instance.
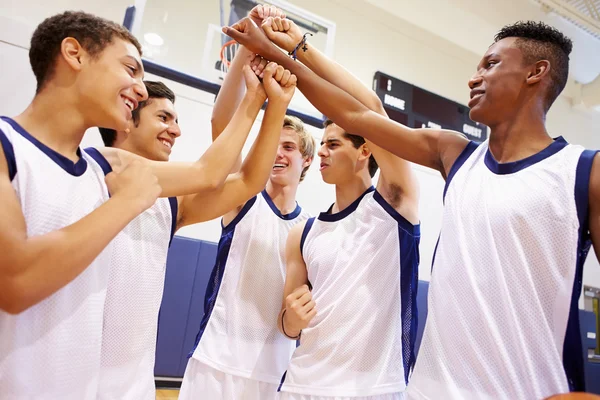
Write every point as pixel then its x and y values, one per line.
pixel 255 98
pixel 288 331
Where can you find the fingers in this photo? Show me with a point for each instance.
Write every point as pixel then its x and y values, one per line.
pixel 303 300
pixel 279 70
pixel 285 78
pixel 292 81
pixel 269 71
pixel 258 65
pixel 277 24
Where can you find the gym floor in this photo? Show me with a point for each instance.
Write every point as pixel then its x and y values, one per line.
pixel 167 394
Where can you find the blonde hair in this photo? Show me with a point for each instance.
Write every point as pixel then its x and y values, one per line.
pixel 307 142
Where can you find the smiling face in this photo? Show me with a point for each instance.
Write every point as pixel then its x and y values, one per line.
pixel 498 84
pixel 110 85
pixel 290 162
pixel 156 131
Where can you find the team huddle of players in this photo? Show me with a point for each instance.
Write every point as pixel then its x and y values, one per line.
pixel 298 307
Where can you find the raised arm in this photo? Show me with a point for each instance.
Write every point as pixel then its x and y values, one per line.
pixel 397 181
pixel 239 187
pixel 298 307
pixel 436 149
pixel 34 267
pixel 211 170
pixel 231 92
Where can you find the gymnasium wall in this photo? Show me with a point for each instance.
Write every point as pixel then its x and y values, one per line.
pixel 367 39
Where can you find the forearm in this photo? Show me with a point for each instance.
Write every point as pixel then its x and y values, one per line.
pixel 211 170
pixel 339 76
pixel 326 97
pixel 259 162
pixel 41 265
pixel 230 94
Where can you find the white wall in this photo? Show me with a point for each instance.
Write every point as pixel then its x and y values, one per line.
pixel 367 40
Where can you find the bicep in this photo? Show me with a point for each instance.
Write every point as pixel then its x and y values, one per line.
pixel 13 230
pixel 296 274
pixel 594 205
pixel 415 145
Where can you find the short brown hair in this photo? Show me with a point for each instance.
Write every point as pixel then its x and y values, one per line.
pixel 307 142
pixel 357 141
pixel 93 33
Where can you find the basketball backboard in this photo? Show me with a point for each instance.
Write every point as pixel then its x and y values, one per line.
pixel 186 36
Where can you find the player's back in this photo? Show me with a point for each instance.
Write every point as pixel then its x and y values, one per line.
pixel 362 263
pixel 52 349
pixel 502 314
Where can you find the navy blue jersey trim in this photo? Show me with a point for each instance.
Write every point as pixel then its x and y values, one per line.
pixel 9 154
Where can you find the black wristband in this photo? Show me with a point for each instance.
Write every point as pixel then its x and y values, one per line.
pixel 301 44
pixel 283 329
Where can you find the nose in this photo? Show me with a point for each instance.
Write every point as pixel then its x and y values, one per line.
pixel 475 81
pixel 140 90
pixel 323 152
pixel 174 130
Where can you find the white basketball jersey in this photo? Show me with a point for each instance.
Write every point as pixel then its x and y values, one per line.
pixel 238 333
pixel 363 265
pixel 503 314
pixel 52 349
pixel 135 290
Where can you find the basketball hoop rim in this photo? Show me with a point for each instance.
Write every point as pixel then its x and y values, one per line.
pixel 227 63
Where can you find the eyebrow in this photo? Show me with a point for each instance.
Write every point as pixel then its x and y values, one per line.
pixel 487 57
pixel 169 115
pixel 138 66
pixel 289 142
pixel 330 140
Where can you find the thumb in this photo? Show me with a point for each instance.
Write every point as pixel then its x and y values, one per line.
pixel 249 75
pixel 233 33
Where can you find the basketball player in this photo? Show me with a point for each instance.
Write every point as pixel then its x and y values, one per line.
pixel 239 353
pixel 360 259
pixel 56 218
pixel 519 212
pixel 129 334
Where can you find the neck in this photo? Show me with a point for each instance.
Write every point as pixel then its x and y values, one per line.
pixel 346 193
pixel 283 196
pixel 54 119
pixel 521 136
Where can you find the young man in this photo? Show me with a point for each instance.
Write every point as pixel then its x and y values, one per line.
pixel 239 352
pixel 519 210
pixel 360 260
pixel 56 218
pixel 129 333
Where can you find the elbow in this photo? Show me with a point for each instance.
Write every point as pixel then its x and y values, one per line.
pixel 13 299
pixel 377 105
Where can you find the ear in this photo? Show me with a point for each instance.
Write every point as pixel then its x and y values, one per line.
pixel 538 71
pixel 72 52
pixel 365 152
pixel 307 162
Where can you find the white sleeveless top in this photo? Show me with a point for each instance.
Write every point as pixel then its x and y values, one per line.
pixel 52 350
pixel 362 263
pixel 135 290
pixel 238 333
pixel 503 314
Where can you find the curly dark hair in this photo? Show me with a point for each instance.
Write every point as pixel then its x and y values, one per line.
pixel 156 90
pixel 538 41
pixel 93 33
pixel 357 141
